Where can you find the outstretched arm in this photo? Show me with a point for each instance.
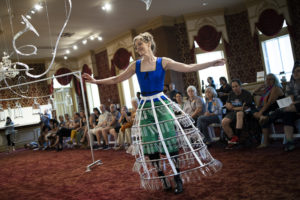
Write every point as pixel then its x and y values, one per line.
pixel 170 64
pixel 114 79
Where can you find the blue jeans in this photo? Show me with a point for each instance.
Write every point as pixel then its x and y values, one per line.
pixel 203 122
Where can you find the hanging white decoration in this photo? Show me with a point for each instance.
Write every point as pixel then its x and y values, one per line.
pixel 50 105
pixel 23 88
pixel 7 68
pixel 2 113
pixel 28 27
pixel 18 110
pixel 148 3
pixel 68 100
pixel 31 28
pixel 53 102
pixel 9 111
pixel 36 108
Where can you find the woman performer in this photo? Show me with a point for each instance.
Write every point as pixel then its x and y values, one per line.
pixel 173 150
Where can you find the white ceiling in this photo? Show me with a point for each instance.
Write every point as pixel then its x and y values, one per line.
pixel 88 18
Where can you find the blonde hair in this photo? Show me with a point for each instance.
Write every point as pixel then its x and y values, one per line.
pixel 145 37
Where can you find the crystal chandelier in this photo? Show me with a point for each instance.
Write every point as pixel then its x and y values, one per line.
pixel 7 68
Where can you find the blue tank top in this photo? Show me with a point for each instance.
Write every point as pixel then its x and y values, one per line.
pixel 151 82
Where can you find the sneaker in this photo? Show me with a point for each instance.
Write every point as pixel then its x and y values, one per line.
pixel 208 143
pixel 70 142
pixel 262 146
pixel 289 146
pixel 106 147
pixel 234 140
pixel 97 147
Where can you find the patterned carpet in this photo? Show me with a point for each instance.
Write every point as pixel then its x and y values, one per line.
pixel 246 174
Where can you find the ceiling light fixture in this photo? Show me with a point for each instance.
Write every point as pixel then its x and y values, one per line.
pixel 75 47
pixel 32 11
pixel 92 37
pixel 38 7
pixel 67 51
pixel 28 16
pixel 106 7
pixel 84 41
pixel 204 4
pixel 65 57
pixel 99 38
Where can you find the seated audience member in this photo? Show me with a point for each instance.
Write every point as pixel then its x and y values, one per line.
pixel 67 130
pixel 97 114
pixel 138 95
pixel 43 137
pixel 53 114
pixel 9 131
pixel 83 125
pixel 126 121
pixel 68 121
pixel 211 82
pixel 51 136
pixel 45 118
pixel 76 126
pixel 92 126
pixel 62 122
pixel 213 114
pixel 179 100
pixel 291 113
pixel 166 90
pixel 172 92
pixel 61 133
pixel 224 90
pixel 102 123
pixel 194 106
pixel 238 101
pixel 112 127
pixel 269 92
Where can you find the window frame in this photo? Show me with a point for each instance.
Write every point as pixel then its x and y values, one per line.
pixel 221 48
pixel 262 38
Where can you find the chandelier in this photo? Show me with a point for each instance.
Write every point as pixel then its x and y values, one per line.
pixel 7 68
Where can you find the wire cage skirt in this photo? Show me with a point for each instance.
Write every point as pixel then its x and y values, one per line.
pixel 161 128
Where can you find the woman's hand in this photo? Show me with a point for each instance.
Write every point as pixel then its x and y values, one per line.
pixel 290 108
pixel 206 114
pixel 88 78
pixel 219 62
